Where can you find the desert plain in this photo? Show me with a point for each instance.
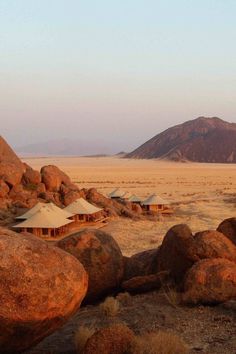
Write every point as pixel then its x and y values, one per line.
pixel 202 195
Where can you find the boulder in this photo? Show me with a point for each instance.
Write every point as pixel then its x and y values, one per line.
pixel 141 264
pixel 41 188
pixel 144 283
pixel 31 177
pixel 213 244
pixel 53 178
pixel 70 197
pixel 4 189
pixel 210 281
pixel 115 339
pixel 40 288
pixel 53 197
pixel 101 257
pixel 22 196
pixel 10 173
pixel 11 167
pixel 177 252
pixel 228 228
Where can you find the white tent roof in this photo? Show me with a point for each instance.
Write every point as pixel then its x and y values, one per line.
pixel 32 211
pixel 154 200
pixel 82 207
pixel 117 193
pixel 126 195
pixel 44 218
pixel 52 206
pixel 134 198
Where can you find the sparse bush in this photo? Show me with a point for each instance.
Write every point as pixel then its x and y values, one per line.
pixel 172 296
pixel 81 336
pixel 110 307
pixel 159 343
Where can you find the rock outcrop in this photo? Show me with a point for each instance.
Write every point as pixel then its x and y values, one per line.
pixel 11 167
pixel 101 257
pixel 41 286
pixel 22 187
pixel 210 281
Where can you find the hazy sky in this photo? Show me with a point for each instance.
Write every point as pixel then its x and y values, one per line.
pixel 121 71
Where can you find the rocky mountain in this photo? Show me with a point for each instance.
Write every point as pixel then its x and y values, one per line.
pixel 200 140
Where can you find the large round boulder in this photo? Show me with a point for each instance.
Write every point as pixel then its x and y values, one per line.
pixel 53 178
pixel 40 288
pixel 228 228
pixel 141 264
pixel 177 252
pixel 213 244
pixel 115 339
pixel 210 281
pixel 101 257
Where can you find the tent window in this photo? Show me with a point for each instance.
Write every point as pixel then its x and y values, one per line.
pixel 45 231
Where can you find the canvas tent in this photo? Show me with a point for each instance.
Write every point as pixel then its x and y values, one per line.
pixel 154 203
pixel 83 210
pixel 50 205
pixel 45 222
pixel 135 199
pixel 117 193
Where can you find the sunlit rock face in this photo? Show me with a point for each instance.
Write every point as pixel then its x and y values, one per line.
pixel 41 286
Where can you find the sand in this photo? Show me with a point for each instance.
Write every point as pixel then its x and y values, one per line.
pixel 202 195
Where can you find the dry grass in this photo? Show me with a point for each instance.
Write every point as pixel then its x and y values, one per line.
pixel 172 296
pixel 159 343
pixel 110 307
pixel 81 336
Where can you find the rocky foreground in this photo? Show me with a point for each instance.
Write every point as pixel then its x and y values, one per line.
pixel 42 285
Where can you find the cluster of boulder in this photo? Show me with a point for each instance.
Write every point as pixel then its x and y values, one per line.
pixel 202 266
pixel 42 285
pixel 22 187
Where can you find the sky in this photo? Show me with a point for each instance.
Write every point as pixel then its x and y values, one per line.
pixel 113 71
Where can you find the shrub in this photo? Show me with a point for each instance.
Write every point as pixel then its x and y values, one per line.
pixel 81 336
pixel 110 307
pixel 172 296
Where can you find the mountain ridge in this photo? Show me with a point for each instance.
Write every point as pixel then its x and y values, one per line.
pixel 194 140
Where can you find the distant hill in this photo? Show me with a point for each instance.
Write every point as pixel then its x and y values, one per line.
pixel 68 147
pixel 200 140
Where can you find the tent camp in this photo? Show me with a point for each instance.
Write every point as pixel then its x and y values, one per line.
pixel 45 222
pixel 84 211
